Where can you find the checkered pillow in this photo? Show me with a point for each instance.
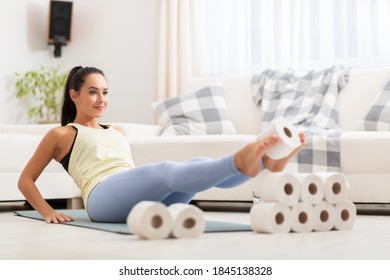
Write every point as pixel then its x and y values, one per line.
pixel 200 112
pixel 378 116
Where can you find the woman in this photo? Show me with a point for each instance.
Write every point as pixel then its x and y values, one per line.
pixel 98 158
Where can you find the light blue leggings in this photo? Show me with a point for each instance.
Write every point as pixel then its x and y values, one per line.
pixel 169 182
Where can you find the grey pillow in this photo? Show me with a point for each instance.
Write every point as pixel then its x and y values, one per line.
pixel 378 116
pixel 196 113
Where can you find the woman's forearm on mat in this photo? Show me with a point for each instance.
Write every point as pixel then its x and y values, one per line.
pixel 34 197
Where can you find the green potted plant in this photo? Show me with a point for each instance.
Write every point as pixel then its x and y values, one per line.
pixel 43 89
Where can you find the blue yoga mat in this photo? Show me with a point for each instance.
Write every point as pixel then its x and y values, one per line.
pixel 81 219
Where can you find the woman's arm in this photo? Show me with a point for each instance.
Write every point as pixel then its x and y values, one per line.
pixel 46 151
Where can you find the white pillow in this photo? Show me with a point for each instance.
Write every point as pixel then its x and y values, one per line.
pixel 378 116
pixel 196 113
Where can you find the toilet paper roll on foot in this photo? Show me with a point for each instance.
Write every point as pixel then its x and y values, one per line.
pixel 289 138
pixel 336 186
pixel 188 220
pixel 270 217
pixel 324 216
pixel 278 187
pixel 312 188
pixel 150 220
pixel 345 215
pixel 302 217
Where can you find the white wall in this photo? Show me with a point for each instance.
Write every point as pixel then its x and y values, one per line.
pixel 118 36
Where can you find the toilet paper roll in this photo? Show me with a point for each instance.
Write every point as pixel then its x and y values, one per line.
pixel 345 215
pixel 335 186
pixel 312 188
pixel 324 216
pixel 150 220
pixel 278 187
pixel 270 217
pixel 289 138
pixel 188 220
pixel 302 217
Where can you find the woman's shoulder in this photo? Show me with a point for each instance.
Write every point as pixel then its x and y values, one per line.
pixel 59 132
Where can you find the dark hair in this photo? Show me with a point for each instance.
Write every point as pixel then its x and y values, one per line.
pixel 75 80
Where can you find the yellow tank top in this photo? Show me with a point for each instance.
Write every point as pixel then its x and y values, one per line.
pixel 97 154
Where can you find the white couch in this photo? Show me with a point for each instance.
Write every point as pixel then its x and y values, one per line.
pixel 365 156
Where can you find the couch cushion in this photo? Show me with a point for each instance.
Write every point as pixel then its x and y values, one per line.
pixel 33 129
pixel 155 149
pixel 365 152
pixel 17 149
pixel 200 112
pixel 51 185
pixel 134 131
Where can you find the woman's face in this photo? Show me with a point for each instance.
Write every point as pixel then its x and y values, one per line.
pixel 91 101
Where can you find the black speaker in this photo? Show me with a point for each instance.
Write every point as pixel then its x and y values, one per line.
pixel 60 22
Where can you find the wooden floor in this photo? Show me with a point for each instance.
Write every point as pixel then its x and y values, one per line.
pixel 28 239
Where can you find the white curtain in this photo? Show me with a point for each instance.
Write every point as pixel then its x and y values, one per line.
pixel 174 50
pixel 245 36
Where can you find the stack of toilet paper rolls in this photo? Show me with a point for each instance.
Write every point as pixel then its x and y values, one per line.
pixel 299 202
pixel 154 220
pixel 302 203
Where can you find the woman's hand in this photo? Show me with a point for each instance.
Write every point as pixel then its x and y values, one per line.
pixel 56 217
pixel 280 164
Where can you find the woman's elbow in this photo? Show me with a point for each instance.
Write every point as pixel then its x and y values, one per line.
pixel 23 182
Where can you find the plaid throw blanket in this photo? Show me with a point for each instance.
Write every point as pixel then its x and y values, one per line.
pixel 310 101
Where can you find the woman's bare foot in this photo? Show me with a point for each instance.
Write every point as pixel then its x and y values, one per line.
pixel 280 164
pixel 248 159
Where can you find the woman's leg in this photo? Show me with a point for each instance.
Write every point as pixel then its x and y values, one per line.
pixel 233 181
pixel 112 199
pixel 178 197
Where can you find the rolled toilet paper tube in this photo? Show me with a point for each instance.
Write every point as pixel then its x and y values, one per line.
pixel 289 138
pixel 312 188
pixel 188 220
pixel 278 187
pixel 335 186
pixel 270 217
pixel 324 216
pixel 345 215
pixel 150 220
pixel 302 217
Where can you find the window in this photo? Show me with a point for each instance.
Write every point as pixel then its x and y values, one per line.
pixel 246 36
